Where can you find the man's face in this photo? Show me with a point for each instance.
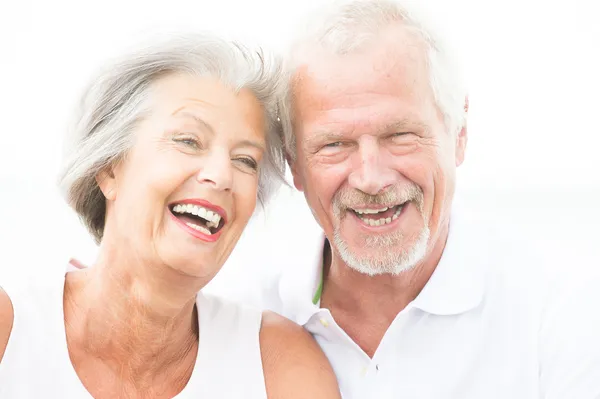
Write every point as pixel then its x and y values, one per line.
pixel 374 158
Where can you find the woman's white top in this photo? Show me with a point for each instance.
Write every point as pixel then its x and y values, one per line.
pixel 36 362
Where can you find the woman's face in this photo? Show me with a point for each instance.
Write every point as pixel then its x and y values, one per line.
pixel 186 190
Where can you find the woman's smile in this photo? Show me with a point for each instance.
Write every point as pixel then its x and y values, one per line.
pixel 199 218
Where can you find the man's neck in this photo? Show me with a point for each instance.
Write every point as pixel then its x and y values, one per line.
pixel 138 318
pixel 365 306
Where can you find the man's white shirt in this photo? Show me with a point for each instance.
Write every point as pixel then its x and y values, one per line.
pixel 494 321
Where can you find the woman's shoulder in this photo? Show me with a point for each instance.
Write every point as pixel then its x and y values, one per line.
pixel 6 320
pixel 293 363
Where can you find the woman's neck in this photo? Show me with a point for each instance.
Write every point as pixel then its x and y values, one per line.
pixel 140 320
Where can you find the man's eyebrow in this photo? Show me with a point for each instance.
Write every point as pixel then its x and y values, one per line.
pixel 324 136
pixel 404 124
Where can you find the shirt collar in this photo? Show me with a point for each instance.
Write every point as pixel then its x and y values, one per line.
pixel 456 286
pixel 457 283
pixel 300 283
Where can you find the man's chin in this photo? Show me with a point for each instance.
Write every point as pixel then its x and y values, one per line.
pixel 379 255
pixel 378 267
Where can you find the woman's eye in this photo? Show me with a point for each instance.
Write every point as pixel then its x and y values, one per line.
pixel 249 162
pixel 188 141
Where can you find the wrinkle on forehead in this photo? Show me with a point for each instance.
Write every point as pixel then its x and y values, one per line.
pixel 394 52
pixel 386 83
pixel 354 82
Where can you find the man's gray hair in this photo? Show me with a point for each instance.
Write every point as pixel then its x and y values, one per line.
pixel 349 26
pixel 117 100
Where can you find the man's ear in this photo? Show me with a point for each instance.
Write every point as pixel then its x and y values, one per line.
pixel 107 183
pixel 293 168
pixel 462 137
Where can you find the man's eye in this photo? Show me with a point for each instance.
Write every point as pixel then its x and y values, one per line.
pixel 334 144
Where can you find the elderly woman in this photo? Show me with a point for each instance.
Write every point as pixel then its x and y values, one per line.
pixel 173 148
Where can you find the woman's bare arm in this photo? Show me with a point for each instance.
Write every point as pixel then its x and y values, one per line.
pixel 294 365
pixel 6 321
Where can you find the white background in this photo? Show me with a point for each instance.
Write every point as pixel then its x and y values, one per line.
pixel 532 163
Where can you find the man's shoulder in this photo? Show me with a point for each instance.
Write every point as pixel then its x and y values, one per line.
pixel 504 248
pixel 516 267
pixel 527 271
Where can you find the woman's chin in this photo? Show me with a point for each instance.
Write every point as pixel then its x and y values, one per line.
pixel 194 257
pixel 189 260
pixel 195 269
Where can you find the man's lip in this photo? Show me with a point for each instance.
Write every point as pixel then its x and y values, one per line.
pixel 374 207
pixel 387 227
pixel 205 204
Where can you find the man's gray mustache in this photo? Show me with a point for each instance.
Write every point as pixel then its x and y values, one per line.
pixel 347 199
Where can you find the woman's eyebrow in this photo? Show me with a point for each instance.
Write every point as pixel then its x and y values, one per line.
pixel 182 112
pixel 251 143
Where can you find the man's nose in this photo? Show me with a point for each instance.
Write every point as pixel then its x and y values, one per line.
pixel 217 171
pixel 370 173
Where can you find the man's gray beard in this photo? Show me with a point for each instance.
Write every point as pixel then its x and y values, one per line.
pixel 386 258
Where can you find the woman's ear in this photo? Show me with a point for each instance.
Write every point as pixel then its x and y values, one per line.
pixel 107 183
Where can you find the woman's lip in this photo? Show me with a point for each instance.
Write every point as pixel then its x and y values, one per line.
pixel 203 203
pixel 195 233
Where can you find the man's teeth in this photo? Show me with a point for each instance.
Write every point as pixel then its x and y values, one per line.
pixel 199 228
pixel 379 222
pixel 213 218
pixel 369 211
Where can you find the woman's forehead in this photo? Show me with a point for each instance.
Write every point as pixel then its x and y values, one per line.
pixel 206 105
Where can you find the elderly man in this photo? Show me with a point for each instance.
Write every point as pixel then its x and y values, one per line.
pixel 407 296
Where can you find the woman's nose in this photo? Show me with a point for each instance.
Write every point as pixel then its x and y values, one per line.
pixel 217 171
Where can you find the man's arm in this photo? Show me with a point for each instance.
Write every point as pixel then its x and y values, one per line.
pixel 570 338
pixel 294 365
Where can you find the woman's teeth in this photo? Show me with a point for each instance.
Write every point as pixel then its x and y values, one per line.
pixel 213 219
pixel 199 228
pixel 377 222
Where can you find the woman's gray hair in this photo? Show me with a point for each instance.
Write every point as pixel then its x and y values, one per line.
pixel 349 26
pixel 116 101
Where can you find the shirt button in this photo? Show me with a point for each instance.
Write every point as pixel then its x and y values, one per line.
pixel 324 322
